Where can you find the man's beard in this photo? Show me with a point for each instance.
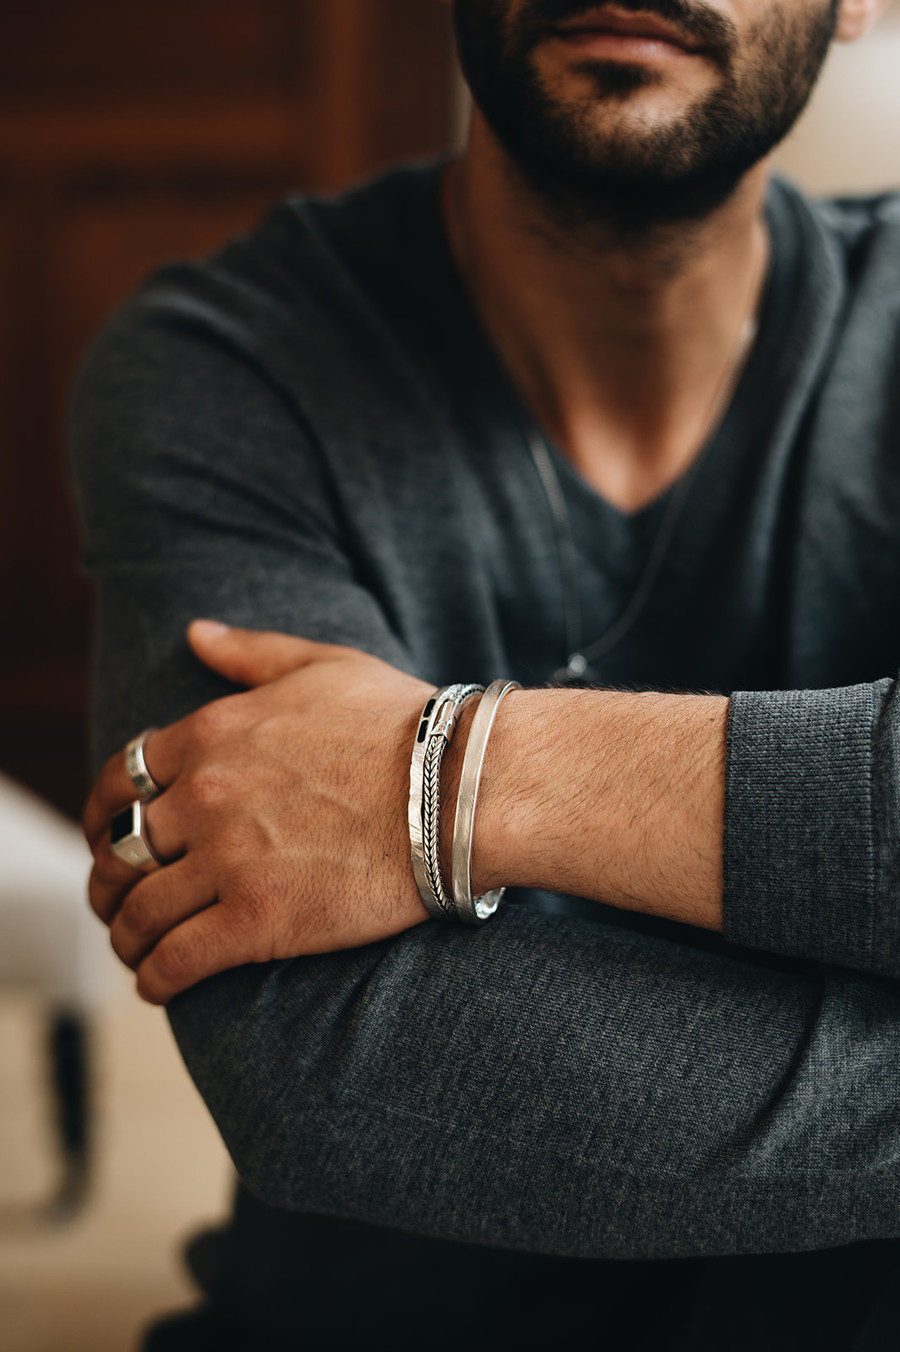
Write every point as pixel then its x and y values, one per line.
pixel 634 177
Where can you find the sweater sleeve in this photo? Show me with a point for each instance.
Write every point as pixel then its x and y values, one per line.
pixel 543 1083
pixel 812 830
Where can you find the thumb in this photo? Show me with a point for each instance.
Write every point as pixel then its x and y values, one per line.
pixel 250 656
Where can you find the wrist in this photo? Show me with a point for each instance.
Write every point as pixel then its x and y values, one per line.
pixel 609 795
pixel 603 794
pixel 527 800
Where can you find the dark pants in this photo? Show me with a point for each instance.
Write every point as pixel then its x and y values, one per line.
pixel 282 1282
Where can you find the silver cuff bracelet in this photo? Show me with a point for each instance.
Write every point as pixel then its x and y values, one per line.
pixel 436 727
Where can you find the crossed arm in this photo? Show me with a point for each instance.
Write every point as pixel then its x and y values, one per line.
pixel 542 1083
pixel 284 811
pixel 547 1085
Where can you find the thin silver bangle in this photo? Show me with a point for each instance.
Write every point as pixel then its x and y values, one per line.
pixel 474 910
pixel 438 719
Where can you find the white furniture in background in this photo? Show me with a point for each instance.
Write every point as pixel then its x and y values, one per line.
pixel 53 949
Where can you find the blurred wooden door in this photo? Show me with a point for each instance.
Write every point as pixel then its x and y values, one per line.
pixel 132 132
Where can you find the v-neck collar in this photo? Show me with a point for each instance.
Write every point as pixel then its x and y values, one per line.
pixel 801 299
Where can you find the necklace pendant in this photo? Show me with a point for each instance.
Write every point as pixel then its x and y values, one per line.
pixel 577 668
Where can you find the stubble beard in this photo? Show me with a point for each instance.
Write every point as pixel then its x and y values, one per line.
pixel 624 176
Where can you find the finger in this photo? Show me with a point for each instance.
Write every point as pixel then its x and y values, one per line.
pixel 112 878
pixel 253 656
pixel 114 789
pixel 165 752
pixel 213 941
pixel 108 885
pixel 156 905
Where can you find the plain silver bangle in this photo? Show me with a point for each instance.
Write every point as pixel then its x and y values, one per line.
pixel 438 720
pixel 474 910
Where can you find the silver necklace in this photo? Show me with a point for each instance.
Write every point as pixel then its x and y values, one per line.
pixel 580 656
pixel 577 664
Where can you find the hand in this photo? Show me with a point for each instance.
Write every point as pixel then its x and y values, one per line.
pixel 283 814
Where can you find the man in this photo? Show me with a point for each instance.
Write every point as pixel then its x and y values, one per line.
pixel 598 403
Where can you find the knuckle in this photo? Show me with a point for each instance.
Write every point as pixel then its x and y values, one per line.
pixel 133 919
pixel 209 785
pixel 267 732
pixel 212 722
pixel 173 961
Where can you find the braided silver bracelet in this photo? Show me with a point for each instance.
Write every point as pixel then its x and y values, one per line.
pixel 436 727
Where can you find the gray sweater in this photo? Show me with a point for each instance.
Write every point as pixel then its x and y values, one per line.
pixel 309 432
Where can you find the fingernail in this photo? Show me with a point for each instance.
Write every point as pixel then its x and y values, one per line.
pixel 210 628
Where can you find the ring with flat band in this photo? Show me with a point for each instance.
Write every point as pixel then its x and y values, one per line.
pixel 145 786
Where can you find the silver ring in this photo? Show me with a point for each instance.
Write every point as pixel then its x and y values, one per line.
pixel 128 838
pixel 145 786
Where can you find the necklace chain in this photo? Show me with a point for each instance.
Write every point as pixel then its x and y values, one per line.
pixel 580 656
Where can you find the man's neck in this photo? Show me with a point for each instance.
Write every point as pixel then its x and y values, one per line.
pixel 623 349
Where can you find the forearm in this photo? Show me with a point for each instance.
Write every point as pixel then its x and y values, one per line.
pixel 542 1083
pixel 773 817
pixel 553 1085
pixel 611 796
pixel 558 1086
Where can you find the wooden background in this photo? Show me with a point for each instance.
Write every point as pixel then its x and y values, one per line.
pixel 132 132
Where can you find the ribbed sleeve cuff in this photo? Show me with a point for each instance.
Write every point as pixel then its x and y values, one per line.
pixel 799 849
